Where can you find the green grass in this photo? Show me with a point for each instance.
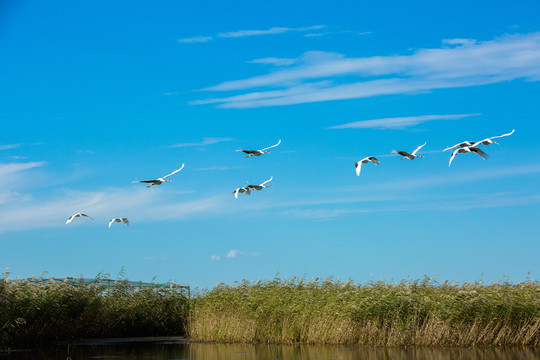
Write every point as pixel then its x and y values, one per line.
pixel 410 313
pixel 41 310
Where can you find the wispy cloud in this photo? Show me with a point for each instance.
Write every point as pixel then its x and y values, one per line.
pixel 398 122
pixel 215 257
pixel 327 33
pixel 204 142
pixel 196 39
pixel 235 253
pixel 274 30
pixel 232 254
pixel 313 77
pixel 9 146
pixel 447 203
pixel 244 33
pixel 137 205
pixel 12 168
pixel 273 61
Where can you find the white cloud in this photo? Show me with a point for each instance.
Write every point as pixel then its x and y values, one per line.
pixel 137 205
pixel 274 30
pixel 9 146
pixel 232 254
pixel 463 42
pixel 12 168
pixel 235 253
pixel 215 257
pixel 398 122
pixel 244 33
pixel 196 39
pixel 273 61
pixel 326 33
pixel 204 142
pixel 314 77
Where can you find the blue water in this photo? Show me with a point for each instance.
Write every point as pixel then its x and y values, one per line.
pixel 181 349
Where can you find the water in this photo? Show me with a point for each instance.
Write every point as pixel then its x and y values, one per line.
pixel 181 349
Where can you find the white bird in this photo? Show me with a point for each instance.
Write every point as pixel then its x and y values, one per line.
pixel 259 152
pixel 490 141
pixel 75 216
pixel 410 156
pixel 358 165
pixel 242 190
pixel 160 180
pixel 460 145
pixel 261 185
pixel 470 149
pixel 476 143
pixel 117 220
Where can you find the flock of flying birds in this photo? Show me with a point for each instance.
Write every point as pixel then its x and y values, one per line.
pixel 461 148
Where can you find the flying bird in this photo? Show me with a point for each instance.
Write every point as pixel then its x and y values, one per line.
pixel 160 180
pixel 471 149
pixel 251 153
pixel 358 165
pixel 410 156
pixel 460 145
pixel 76 216
pixel 261 185
pixel 476 143
pixel 490 140
pixel 242 190
pixel 117 220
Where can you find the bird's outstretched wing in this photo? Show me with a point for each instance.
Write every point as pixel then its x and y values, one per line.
pixel 273 146
pixel 503 135
pixel 267 181
pixel 374 160
pixel 174 172
pixel 112 222
pixel 71 218
pixel 126 221
pixel 418 148
pixel 358 167
pixel 488 140
pixel 77 215
pixel 461 144
pixel 399 152
pixel 479 152
pixel 453 156
pixel 235 192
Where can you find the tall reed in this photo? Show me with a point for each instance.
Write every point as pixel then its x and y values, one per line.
pixel 409 313
pixel 39 310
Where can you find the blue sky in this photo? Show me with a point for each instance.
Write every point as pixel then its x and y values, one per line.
pixel 96 95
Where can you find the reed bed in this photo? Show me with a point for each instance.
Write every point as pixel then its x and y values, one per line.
pixel 409 313
pixel 39 310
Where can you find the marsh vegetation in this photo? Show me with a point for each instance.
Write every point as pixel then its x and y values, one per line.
pixel 409 313
pixel 39 310
pixel 287 311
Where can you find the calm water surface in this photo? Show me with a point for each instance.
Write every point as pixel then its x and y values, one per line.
pixel 181 349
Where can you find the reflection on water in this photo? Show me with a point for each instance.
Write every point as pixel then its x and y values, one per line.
pixel 180 349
